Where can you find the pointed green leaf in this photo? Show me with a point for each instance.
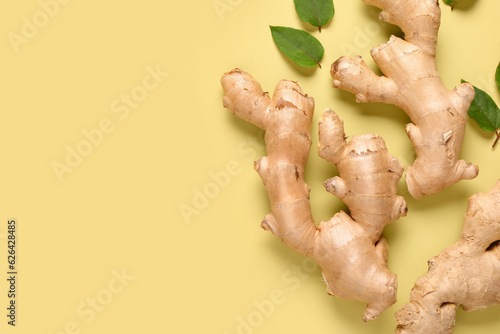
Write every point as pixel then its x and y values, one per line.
pixel 497 77
pixel 315 12
pixel 300 46
pixel 484 111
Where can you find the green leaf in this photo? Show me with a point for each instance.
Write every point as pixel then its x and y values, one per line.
pixel 315 12
pixel 484 111
pixel 497 77
pixel 300 46
pixel 452 3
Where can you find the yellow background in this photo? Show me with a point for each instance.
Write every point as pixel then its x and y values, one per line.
pixel 119 209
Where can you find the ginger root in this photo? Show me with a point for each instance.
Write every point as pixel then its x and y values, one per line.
pixel 351 252
pixel 466 273
pixel 412 83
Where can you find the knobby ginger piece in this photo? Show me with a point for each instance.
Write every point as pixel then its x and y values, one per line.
pixel 412 83
pixel 466 273
pixel 350 250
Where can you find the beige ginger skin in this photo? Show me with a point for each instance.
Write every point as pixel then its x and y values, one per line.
pixel 412 83
pixel 350 250
pixel 466 273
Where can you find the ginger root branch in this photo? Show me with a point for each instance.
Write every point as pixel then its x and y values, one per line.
pixel 466 273
pixel 411 82
pixel 351 251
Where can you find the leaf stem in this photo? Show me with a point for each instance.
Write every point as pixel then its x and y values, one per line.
pixel 496 140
